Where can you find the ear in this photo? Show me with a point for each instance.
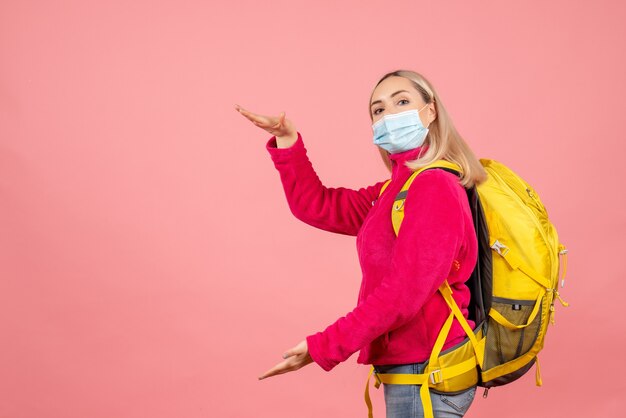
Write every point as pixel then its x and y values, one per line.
pixel 432 112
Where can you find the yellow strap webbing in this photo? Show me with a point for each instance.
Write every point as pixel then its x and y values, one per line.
pixel 397 214
pixel 403 379
pixel 435 164
pixel 515 263
pixel 441 164
pixel 382 189
pixel 446 292
pixel 368 401
pixel 538 372
pixel 418 379
pixel 432 368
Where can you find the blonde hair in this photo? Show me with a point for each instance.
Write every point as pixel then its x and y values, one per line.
pixel 443 140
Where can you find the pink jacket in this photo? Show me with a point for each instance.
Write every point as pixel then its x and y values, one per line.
pixel 399 311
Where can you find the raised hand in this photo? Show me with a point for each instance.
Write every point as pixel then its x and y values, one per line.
pixel 284 130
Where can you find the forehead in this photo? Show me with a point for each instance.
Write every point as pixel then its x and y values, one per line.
pixel 390 85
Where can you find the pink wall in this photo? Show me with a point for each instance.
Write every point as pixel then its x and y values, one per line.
pixel 149 264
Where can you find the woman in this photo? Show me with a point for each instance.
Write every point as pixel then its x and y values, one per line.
pixel 399 311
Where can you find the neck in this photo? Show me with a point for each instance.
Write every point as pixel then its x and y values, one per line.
pixel 398 159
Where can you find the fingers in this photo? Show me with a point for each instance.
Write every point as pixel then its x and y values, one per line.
pixel 265 122
pixel 297 358
pixel 254 118
pixel 280 368
pixel 278 126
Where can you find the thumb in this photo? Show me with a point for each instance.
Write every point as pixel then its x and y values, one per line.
pixel 289 353
pixel 281 120
pixel 297 350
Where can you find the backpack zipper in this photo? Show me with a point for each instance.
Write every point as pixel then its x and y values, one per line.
pixel 539 205
pixel 554 290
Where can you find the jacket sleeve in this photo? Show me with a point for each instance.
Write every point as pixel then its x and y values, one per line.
pixel 339 210
pixel 428 241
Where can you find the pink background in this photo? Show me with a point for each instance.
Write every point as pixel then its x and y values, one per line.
pixel 149 263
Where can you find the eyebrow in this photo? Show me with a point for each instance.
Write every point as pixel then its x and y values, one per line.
pixel 398 92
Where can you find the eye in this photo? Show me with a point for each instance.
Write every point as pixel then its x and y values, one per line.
pixel 403 100
pixel 375 112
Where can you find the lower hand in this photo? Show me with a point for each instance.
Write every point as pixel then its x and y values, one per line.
pixel 296 358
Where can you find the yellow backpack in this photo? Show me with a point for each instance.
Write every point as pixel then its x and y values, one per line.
pixel 513 288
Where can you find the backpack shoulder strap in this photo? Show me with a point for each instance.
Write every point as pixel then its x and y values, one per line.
pixel 384 187
pixel 397 212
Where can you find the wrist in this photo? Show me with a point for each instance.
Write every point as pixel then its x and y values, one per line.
pixel 286 141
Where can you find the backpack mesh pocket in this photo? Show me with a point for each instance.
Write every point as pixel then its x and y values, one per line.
pixel 504 345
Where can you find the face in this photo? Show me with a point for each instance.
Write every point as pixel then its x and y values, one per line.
pixel 397 94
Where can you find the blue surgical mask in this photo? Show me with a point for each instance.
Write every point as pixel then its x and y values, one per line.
pixel 400 132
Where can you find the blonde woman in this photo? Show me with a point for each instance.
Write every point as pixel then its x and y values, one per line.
pixel 399 311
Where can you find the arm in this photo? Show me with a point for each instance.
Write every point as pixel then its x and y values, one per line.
pixel 429 239
pixel 339 210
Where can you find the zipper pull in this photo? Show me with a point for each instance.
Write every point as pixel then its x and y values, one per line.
pixel 563 252
pixel 485 393
pixel 531 194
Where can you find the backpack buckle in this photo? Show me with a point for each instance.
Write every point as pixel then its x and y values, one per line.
pixel 398 205
pixel 500 248
pixel 378 381
pixel 435 377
